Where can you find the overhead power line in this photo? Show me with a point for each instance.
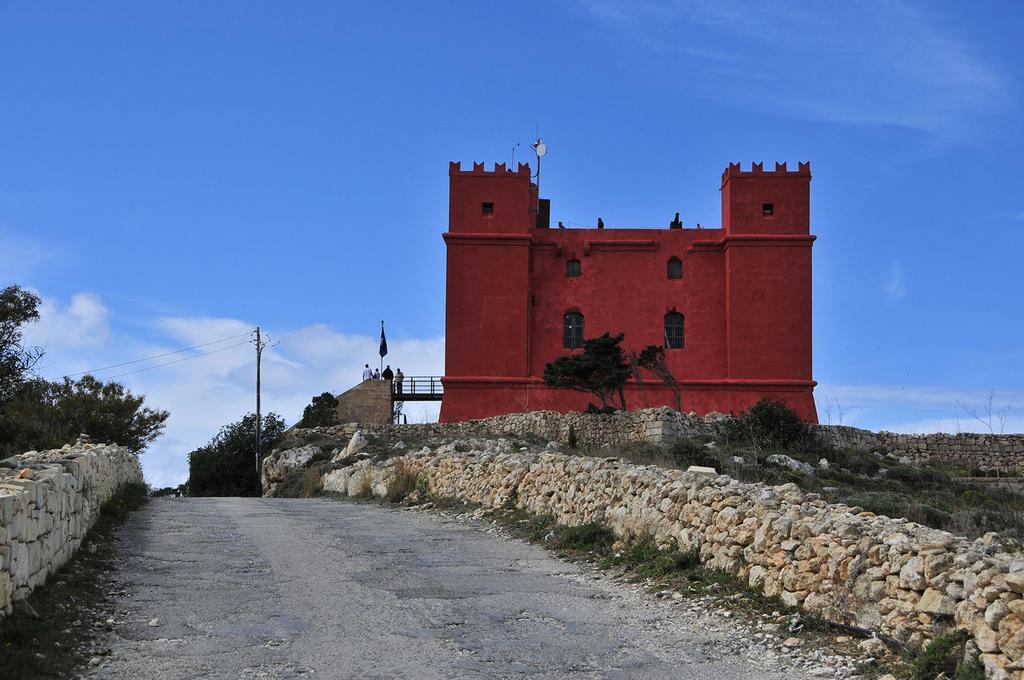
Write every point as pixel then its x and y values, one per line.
pixel 159 356
pixel 178 361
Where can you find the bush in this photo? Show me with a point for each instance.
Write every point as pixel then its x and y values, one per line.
pixel 585 537
pixel 769 425
pixel 650 561
pixel 941 658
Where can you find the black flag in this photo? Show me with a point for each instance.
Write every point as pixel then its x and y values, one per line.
pixel 383 342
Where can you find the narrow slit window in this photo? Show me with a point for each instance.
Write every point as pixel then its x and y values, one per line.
pixel 673 330
pixel 675 268
pixel 487 209
pixel 572 268
pixel 572 331
pixel 767 208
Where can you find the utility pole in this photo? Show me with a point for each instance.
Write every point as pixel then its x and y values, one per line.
pixel 259 355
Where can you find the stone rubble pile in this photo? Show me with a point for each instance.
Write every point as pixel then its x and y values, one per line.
pixel 897 577
pixel 48 501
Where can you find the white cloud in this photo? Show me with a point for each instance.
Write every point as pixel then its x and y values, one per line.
pixel 82 322
pixel 214 385
pixel 886 63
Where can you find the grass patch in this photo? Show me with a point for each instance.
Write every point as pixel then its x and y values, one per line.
pixel 405 482
pixel 945 658
pixel 65 634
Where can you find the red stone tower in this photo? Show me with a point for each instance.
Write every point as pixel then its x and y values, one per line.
pixel 739 296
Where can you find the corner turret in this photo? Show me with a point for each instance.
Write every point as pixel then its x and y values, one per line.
pixel 759 201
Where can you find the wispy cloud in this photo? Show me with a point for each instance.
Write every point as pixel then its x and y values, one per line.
pixel 916 409
pixel 883 63
pixel 21 256
pixel 895 287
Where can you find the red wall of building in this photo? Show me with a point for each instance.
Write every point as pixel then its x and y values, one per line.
pixel 745 295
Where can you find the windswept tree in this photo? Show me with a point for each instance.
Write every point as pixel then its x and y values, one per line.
pixel 17 308
pixel 600 369
pixel 653 359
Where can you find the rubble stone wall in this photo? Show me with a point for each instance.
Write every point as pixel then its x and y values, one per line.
pixel 48 501
pixel 897 577
pixel 986 451
pixel 662 425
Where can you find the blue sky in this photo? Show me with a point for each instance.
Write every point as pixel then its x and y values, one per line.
pixel 174 173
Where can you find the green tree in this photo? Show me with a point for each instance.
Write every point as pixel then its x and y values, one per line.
pixel 17 308
pixel 321 411
pixel 653 359
pixel 226 465
pixel 600 369
pixel 45 415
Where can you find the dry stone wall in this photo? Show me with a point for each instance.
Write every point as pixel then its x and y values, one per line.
pixel 986 451
pixel 663 425
pixel 653 425
pixel 893 576
pixel 48 501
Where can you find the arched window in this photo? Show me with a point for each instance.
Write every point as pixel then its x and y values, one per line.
pixel 572 267
pixel 572 330
pixel 675 268
pixel 673 330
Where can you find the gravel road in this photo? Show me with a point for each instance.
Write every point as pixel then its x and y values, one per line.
pixel 281 588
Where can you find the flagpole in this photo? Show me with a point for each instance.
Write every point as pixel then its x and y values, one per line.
pixel 381 369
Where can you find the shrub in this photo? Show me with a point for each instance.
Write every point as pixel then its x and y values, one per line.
pixel 769 425
pixel 941 658
pixel 572 437
pixel 585 537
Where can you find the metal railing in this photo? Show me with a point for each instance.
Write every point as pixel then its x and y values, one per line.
pixel 421 386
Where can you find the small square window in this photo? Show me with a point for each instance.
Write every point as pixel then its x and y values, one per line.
pixel 572 268
pixel 487 209
pixel 767 208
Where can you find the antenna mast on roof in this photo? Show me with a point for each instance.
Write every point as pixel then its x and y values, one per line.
pixel 539 148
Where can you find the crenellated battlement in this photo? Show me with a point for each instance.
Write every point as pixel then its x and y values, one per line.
pixel 757 170
pixel 455 169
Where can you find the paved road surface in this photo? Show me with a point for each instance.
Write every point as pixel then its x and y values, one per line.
pixel 280 588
